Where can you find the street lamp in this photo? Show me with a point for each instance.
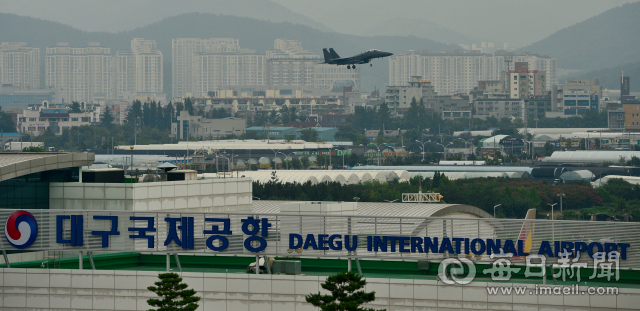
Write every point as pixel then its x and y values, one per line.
pixel 287 156
pixel 275 153
pixel 356 198
pixel 561 195
pixel 423 152
pixel 445 149
pixel 391 201
pixel 494 210
pixel 552 205
pixel 257 198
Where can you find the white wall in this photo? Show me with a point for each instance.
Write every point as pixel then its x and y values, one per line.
pixel 61 289
pixel 209 195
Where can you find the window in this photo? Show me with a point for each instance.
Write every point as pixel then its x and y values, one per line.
pixel 43 119
pixel 74 119
pixel 65 119
pixel 32 119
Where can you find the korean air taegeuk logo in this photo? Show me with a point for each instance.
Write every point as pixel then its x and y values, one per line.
pixel 21 229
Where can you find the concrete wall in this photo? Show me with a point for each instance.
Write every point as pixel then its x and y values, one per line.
pixel 209 195
pixel 43 289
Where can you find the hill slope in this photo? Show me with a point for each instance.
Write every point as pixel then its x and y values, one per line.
pixel 143 12
pixel 610 77
pixel 608 39
pixel 419 28
pixel 253 34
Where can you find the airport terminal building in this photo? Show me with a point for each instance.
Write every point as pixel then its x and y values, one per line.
pixel 85 241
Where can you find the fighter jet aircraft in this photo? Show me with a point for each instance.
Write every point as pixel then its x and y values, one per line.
pixel 331 57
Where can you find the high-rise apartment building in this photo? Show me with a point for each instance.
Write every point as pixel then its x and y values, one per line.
pixel 209 55
pixel 20 65
pixel 140 69
pixel 522 82
pixel 80 73
pixel 290 64
pixel 459 71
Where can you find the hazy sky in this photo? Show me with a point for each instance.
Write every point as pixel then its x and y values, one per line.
pixel 517 22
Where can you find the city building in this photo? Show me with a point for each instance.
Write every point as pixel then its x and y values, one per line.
pixel 539 63
pixel 289 64
pixel 187 126
pixel 523 82
pixel 20 65
pixel 35 122
pixel 631 110
pixel 12 95
pixel 139 70
pixel 80 73
pixel 203 65
pixel 498 107
pixel 576 96
pixel 399 98
pixel 335 78
pixel 537 106
pixel 459 71
pixel 451 106
pixel 616 119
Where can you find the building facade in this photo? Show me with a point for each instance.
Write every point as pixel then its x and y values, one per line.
pixel 188 126
pixel 214 62
pixel 498 108
pixel 80 73
pixel 459 71
pixel 140 69
pixel 35 122
pixel 576 96
pixel 523 82
pixel 334 78
pixel 399 98
pixel 20 65
pixel 631 115
pixel 289 64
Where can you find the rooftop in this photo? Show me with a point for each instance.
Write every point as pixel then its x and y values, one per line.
pixel 16 164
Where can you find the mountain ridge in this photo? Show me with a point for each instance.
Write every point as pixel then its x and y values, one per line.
pixel 605 40
pixel 253 34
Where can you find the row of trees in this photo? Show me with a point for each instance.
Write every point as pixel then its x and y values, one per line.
pixel 417 119
pixel 515 195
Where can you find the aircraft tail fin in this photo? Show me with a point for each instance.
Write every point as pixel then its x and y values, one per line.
pixel 334 55
pixel 327 55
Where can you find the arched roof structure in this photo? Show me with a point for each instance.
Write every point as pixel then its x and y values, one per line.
pixel 16 164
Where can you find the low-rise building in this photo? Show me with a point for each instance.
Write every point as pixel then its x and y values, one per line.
pixel 631 115
pixel 399 98
pixel 522 82
pixel 498 107
pixel 35 122
pixel 188 126
pixel 616 119
pixel 576 96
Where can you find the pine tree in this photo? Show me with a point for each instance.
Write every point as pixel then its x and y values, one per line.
pixel 174 294
pixel 107 118
pixel 345 293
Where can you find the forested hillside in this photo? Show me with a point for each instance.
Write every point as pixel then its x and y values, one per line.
pixel 606 40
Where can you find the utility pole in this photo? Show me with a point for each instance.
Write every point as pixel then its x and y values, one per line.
pixel 561 195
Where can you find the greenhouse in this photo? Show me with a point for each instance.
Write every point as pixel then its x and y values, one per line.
pixel 583 156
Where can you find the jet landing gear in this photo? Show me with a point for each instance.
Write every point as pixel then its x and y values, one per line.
pixel 351 66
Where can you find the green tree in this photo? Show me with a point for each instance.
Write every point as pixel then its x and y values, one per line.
pixel 346 293
pixel 107 118
pixel 75 107
pixel 6 122
pixel 548 149
pixel 304 163
pixel 309 135
pixel 174 294
pixel 33 149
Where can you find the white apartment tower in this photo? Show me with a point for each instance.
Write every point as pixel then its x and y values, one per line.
pixel 460 71
pixel 80 73
pixel 290 64
pixel 139 70
pixel 20 65
pixel 202 65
